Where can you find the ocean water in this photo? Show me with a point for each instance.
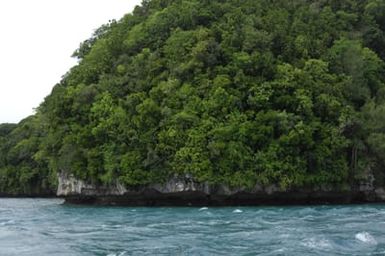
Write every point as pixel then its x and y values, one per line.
pixel 47 227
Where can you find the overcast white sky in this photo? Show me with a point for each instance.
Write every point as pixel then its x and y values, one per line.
pixel 37 39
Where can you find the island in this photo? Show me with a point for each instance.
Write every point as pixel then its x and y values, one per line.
pixel 220 102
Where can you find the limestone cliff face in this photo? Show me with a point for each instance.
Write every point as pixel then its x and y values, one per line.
pixel 68 185
pixel 186 191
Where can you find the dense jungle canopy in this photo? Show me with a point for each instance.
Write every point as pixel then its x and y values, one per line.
pixel 227 91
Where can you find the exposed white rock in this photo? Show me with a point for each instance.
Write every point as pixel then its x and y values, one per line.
pixel 69 185
pixel 380 193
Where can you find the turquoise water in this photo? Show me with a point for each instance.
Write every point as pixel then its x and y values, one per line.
pixel 46 227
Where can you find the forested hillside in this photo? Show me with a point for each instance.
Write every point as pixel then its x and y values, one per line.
pixel 227 91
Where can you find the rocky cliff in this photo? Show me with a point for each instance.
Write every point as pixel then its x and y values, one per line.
pixel 185 191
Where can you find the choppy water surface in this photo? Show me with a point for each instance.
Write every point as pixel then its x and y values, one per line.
pixel 46 227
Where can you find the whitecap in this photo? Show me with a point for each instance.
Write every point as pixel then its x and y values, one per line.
pixel 317 243
pixel 367 238
pixel 284 236
pixel 237 211
pixel 117 254
pixel 203 209
pixel 6 223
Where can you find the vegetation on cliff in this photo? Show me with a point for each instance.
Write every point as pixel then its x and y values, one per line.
pixel 228 91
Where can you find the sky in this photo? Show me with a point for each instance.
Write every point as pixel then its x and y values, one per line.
pixel 37 39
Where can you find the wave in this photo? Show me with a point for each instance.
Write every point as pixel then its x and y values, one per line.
pixel 366 238
pixel 117 254
pixel 7 223
pixel 315 243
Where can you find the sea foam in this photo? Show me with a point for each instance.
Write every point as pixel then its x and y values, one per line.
pixel 367 238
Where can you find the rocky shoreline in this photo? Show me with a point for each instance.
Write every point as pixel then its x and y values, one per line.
pixel 184 191
pixel 198 199
pixel 8 195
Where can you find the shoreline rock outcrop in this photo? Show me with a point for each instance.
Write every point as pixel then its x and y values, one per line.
pixel 185 191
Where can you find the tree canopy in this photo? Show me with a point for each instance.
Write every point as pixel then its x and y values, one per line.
pixel 227 91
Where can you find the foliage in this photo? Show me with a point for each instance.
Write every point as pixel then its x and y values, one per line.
pixel 236 92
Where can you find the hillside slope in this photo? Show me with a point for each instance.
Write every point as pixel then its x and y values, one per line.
pixel 229 92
